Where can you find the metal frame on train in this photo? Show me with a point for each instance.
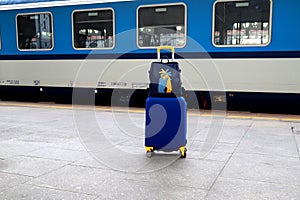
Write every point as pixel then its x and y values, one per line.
pixel 223 62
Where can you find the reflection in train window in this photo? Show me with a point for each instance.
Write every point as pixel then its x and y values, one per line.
pixel 34 31
pixel 242 23
pixel 162 25
pixel 93 29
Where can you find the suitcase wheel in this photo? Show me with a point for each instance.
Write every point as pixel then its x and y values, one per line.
pixel 149 151
pixel 149 154
pixel 183 151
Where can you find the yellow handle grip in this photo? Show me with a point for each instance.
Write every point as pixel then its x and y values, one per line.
pixel 165 48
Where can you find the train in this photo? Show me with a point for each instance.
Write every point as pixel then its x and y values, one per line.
pixel 239 55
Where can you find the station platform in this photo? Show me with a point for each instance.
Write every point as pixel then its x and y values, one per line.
pixel 50 151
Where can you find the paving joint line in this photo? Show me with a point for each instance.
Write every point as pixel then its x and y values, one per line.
pixel 295 140
pixel 230 157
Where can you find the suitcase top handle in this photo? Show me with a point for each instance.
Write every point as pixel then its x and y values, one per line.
pixel 165 48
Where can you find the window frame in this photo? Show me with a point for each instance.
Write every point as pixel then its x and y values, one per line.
pixel 113 25
pixel 240 45
pixel 52 28
pixel 159 5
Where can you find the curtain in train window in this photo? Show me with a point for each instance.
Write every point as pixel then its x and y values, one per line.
pixel 93 29
pixel 242 23
pixel 35 31
pixel 162 25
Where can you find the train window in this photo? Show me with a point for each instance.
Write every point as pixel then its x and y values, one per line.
pixel 242 23
pixel 160 25
pixel 34 31
pixel 93 29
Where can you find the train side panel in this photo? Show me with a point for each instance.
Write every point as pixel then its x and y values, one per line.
pixel 270 69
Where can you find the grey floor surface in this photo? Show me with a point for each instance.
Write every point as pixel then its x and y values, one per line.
pixel 58 152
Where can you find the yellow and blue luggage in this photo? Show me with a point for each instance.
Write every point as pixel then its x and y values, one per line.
pixel 166 120
pixel 164 77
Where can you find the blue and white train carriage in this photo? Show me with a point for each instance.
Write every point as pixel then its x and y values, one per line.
pixel 245 53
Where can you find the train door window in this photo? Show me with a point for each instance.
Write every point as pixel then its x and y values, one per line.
pixel 160 25
pixel 93 29
pixel 242 23
pixel 34 31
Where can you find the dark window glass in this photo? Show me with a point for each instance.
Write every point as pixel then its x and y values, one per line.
pixel 161 25
pixel 242 23
pixel 93 29
pixel 35 31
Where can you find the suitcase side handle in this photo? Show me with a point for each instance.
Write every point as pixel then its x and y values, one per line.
pixel 165 48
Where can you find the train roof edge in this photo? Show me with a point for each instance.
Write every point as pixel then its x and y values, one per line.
pixel 22 4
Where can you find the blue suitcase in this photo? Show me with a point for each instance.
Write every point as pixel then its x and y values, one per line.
pixel 166 125
pixel 166 122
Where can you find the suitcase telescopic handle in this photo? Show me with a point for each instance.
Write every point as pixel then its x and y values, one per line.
pixel 165 48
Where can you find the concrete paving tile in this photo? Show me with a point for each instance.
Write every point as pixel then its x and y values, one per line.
pixel 121 128
pixel 272 127
pixel 159 161
pixel 221 133
pixel 199 135
pixel 30 166
pixel 35 121
pixel 255 141
pixel 124 122
pixel 213 156
pixel 58 154
pixel 130 189
pixel 297 137
pixel 224 147
pixel 35 115
pixel 58 133
pixel 195 127
pixel 185 173
pixel 93 135
pixel 133 160
pixel 232 134
pixel 68 144
pixel 13 147
pixel 115 137
pixel 274 130
pixel 226 188
pixel 228 122
pixel 10 180
pixel 132 147
pixel 49 137
pixel 90 162
pixel 78 179
pixel 263 168
pixel 9 132
pixel 26 191
pixel 265 124
pixel 295 127
pixel 206 147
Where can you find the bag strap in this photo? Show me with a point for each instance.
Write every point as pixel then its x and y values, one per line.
pixel 164 58
pixel 166 48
